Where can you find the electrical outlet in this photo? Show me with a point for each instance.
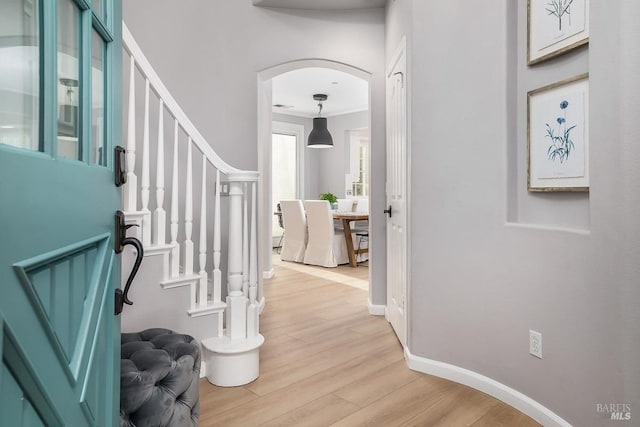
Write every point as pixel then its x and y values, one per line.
pixel 535 343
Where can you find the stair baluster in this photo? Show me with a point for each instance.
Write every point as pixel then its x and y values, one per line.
pixel 130 190
pixel 144 185
pixel 188 213
pixel 202 287
pixel 175 197
pixel 245 242
pixel 160 219
pixel 253 314
pixel 217 274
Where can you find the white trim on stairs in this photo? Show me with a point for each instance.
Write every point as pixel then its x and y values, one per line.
pixel 182 280
pixel 506 394
pixel 158 249
pixel 210 308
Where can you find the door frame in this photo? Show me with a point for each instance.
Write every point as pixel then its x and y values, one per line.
pixel 399 53
pixel 291 129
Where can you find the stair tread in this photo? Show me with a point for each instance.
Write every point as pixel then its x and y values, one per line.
pixel 181 280
pixel 210 308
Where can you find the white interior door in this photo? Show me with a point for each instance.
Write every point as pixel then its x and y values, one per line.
pixel 396 192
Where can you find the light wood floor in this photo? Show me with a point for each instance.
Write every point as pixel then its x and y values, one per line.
pixel 326 361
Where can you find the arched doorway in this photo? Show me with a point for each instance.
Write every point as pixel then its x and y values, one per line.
pixel 265 103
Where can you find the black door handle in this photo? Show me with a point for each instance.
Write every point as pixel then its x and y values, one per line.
pixel 121 241
pixel 388 211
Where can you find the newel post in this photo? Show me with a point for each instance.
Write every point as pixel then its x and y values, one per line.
pixel 236 313
pixel 234 358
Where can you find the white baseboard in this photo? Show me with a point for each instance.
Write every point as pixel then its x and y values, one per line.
pixel 268 274
pixel 506 394
pixel 375 309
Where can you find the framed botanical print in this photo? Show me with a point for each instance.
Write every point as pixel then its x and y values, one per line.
pixel 555 27
pixel 558 136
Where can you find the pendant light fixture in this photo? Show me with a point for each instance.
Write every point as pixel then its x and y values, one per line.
pixel 320 136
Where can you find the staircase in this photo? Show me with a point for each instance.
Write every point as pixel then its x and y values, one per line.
pixel 172 290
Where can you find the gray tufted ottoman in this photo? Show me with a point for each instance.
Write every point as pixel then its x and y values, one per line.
pixel 160 371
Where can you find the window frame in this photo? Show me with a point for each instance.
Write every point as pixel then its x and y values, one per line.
pixel 293 129
pixel 89 21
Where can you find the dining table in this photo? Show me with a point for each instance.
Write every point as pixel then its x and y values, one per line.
pixel 347 218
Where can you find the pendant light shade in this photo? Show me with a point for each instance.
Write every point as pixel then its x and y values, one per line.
pixel 320 136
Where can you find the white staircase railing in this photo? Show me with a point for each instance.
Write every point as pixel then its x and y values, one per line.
pixel 231 356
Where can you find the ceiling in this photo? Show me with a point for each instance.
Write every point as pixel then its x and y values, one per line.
pixel 295 90
pixel 321 4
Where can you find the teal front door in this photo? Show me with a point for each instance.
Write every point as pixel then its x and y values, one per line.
pixel 60 84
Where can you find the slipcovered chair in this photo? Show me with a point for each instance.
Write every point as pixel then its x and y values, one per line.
pixel 159 379
pixel 295 228
pixel 345 205
pixel 362 205
pixel 326 246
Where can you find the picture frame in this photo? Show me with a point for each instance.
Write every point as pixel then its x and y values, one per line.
pixel 555 27
pixel 558 136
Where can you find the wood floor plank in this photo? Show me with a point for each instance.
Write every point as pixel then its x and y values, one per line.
pixel 214 400
pixel 303 368
pixel 503 415
pixel 370 389
pixel 283 400
pixel 319 413
pixel 461 408
pixel 326 361
pixel 400 406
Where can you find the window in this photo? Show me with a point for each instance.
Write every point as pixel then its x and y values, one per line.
pixel 286 176
pixel 53 57
pixel 359 162
pixel 19 74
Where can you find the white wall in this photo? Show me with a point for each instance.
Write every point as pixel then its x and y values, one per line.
pixel 209 55
pixel 490 260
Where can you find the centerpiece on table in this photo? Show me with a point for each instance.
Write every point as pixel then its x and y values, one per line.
pixel 331 198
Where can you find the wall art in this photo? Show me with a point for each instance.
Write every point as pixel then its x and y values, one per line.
pixel 558 136
pixel 555 27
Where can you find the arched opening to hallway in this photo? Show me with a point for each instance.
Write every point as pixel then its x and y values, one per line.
pixel 343 170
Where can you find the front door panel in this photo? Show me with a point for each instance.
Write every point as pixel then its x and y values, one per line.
pixel 59 338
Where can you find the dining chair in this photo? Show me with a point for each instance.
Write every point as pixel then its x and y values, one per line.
pixel 295 227
pixel 281 225
pixel 361 229
pixel 362 205
pixel 346 205
pixel 326 246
